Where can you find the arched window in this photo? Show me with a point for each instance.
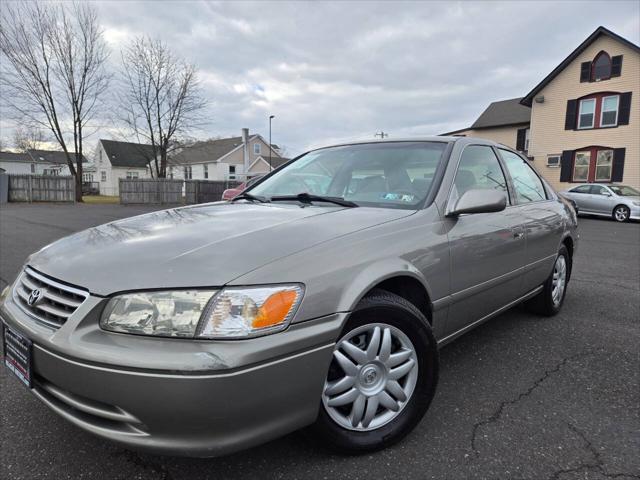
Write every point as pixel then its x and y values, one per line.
pixel 601 67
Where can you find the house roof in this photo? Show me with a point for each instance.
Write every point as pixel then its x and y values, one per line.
pixel 503 112
pixel 207 151
pixel 127 154
pixel 211 151
pixel 528 99
pixel 51 156
pixel 277 162
pixel 15 157
pixel 37 156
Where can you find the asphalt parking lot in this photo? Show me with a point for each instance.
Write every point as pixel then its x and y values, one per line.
pixel 520 397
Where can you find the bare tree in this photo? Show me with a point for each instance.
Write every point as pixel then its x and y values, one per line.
pixel 53 72
pixel 161 98
pixel 27 138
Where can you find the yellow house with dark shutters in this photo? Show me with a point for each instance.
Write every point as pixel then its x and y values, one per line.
pixel 583 118
pixel 585 115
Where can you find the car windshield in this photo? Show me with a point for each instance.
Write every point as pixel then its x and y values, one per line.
pixel 624 191
pixel 390 175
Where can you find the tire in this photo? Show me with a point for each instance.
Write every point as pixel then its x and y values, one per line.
pixel 546 303
pixel 621 213
pixel 400 321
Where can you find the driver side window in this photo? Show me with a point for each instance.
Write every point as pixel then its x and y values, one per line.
pixel 479 168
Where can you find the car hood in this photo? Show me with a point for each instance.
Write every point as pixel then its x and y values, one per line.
pixel 200 246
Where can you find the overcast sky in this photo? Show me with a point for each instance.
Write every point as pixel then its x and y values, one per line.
pixel 339 70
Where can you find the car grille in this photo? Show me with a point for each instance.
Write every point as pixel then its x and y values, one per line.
pixel 46 300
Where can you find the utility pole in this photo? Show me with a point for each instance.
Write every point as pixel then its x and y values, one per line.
pixel 381 134
pixel 271 117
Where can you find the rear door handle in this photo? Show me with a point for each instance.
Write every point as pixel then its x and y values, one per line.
pixel 517 235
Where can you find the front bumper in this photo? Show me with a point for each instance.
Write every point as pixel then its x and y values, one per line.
pixel 171 396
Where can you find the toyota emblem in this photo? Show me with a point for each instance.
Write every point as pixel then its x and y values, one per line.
pixel 34 297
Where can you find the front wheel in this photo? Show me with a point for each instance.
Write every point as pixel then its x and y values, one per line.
pixel 382 377
pixel 621 213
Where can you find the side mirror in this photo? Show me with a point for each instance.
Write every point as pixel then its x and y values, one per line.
pixel 479 201
pixel 606 194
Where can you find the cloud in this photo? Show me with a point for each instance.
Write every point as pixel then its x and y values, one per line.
pixel 340 70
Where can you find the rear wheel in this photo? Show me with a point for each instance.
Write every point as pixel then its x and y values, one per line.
pixel 382 376
pixel 621 213
pixel 549 301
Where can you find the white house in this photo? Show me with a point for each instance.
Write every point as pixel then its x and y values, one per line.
pixel 233 158
pixel 37 162
pixel 115 160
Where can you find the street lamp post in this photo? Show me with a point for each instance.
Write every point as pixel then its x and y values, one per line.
pixel 271 117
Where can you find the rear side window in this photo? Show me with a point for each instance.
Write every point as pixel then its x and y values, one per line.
pixel 581 189
pixel 526 183
pixel 479 168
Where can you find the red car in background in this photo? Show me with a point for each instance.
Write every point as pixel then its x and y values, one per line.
pixel 231 193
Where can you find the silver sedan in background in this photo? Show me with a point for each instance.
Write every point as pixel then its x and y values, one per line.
pixel 618 201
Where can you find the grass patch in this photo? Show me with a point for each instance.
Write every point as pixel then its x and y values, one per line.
pixel 101 199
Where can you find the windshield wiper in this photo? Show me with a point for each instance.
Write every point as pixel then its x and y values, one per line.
pixel 248 196
pixel 309 198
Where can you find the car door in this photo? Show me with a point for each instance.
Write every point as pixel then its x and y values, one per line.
pixel 601 200
pixel 541 215
pixel 581 196
pixel 486 249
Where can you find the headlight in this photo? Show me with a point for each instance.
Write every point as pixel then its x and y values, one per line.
pixel 247 312
pixel 229 313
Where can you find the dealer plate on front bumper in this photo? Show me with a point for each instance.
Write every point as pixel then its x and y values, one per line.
pixel 17 354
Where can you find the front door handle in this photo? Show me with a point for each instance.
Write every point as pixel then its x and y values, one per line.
pixel 517 235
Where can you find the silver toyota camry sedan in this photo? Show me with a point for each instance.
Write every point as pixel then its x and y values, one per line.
pixel 317 298
pixel 620 202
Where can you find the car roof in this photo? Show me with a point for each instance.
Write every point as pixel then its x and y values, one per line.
pixel 434 138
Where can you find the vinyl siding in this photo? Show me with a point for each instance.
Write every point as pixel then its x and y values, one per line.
pixel 548 136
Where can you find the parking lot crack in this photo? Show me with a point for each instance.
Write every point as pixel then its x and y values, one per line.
pixel 596 463
pixel 497 414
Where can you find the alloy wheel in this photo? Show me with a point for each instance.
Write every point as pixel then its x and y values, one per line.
pixel 621 214
pixel 559 280
pixel 372 377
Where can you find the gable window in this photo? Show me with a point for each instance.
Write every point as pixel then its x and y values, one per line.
pixel 601 67
pixel 587 113
pixel 206 171
pixel 103 176
pixel 553 161
pixel 256 148
pixel 604 163
pixel 581 166
pixel 609 115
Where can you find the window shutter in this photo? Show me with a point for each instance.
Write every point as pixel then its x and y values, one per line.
pixel 625 108
pixel 618 164
pixel 585 71
pixel 565 165
pixel 520 138
pixel 616 66
pixel 572 114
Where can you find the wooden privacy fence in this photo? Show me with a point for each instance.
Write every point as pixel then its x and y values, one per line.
pixel 150 190
pixel 203 191
pixel 41 188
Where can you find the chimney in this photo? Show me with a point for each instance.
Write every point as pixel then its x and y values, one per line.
pixel 245 149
